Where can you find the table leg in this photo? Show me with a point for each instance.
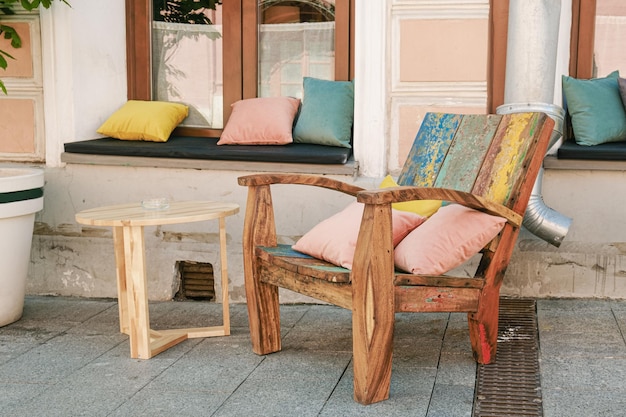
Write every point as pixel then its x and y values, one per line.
pixel 120 266
pixel 224 274
pixel 137 297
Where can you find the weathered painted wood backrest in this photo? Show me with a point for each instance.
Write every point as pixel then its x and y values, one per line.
pixel 482 154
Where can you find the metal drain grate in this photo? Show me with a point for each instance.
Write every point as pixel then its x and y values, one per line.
pixel 512 386
pixel 196 281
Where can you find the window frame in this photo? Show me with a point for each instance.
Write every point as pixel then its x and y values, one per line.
pixel 582 38
pixel 240 56
pixel 496 66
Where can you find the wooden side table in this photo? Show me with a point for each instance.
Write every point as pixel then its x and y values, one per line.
pixel 128 221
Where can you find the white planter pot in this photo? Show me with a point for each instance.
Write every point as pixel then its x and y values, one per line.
pixel 21 196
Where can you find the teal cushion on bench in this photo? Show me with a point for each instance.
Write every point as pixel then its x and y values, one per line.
pixel 327 113
pixel 596 109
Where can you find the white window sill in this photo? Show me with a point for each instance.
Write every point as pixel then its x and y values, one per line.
pixel 552 162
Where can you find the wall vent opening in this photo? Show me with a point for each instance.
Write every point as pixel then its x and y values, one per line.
pixel 196 281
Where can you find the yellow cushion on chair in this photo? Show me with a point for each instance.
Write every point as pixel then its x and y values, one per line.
pixel 424 208
pixel 144 120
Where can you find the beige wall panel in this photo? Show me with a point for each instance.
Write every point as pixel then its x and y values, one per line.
pixel 410 119
pixel 17 126
pixel 22 65
pixel 443 50
pixel 611 8
pixel 21 111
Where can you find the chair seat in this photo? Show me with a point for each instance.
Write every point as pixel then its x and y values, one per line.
pixel 288 268
pixel 285 257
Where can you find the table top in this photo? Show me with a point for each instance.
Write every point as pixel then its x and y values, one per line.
pixel 134 214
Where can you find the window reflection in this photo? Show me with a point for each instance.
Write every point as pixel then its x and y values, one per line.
pixel 610 33
pixel 296 39
pixel 187 58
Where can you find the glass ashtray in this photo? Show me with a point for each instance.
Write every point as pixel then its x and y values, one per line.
pixel 161 203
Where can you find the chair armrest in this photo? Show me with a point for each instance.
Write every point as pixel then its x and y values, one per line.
pixel 301 179
pixel 259 221
pixel 400 194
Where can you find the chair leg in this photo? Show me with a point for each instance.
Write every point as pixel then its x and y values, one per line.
pixel 483 324
pixel 261 298
pixel 372 358
pixel 263 315
pixel 483 328
pixel 373 311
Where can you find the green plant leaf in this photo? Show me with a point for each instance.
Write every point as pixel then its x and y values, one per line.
pixel 3 61
pixel 10 33
pixel 3 88
pixel 184 11
pixel 28 5
pixel 6 6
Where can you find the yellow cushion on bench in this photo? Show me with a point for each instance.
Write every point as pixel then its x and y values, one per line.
pixel 144 120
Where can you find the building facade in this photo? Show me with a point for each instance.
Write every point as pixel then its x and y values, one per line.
pixel 407 57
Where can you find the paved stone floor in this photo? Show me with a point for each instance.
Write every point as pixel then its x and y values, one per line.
pixel 66 357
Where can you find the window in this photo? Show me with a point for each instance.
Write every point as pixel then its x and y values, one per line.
pixel 610 32
pixel 295 40
pixel 598 27
pixel 238 49
pixel 187 60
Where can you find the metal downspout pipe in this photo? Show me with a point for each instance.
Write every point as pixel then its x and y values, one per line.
pixel 529 86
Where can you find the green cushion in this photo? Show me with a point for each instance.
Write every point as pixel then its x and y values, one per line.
pixel 621 82
pixel 596 109
pixel 327 113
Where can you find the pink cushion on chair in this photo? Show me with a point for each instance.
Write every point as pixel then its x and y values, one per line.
pixel 447 239
pixel 334 239
pixel 261 121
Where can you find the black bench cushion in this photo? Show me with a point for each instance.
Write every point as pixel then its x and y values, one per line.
pixel 569 149
pixel 207 148
pixel 612 151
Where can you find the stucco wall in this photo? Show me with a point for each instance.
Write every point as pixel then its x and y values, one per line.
pixel 85 82
pixel 591 262
pixel 76 260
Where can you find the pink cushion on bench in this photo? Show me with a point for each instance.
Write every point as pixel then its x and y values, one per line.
pixel 261 121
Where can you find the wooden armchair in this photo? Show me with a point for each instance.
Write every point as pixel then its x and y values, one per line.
pixel 485 162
